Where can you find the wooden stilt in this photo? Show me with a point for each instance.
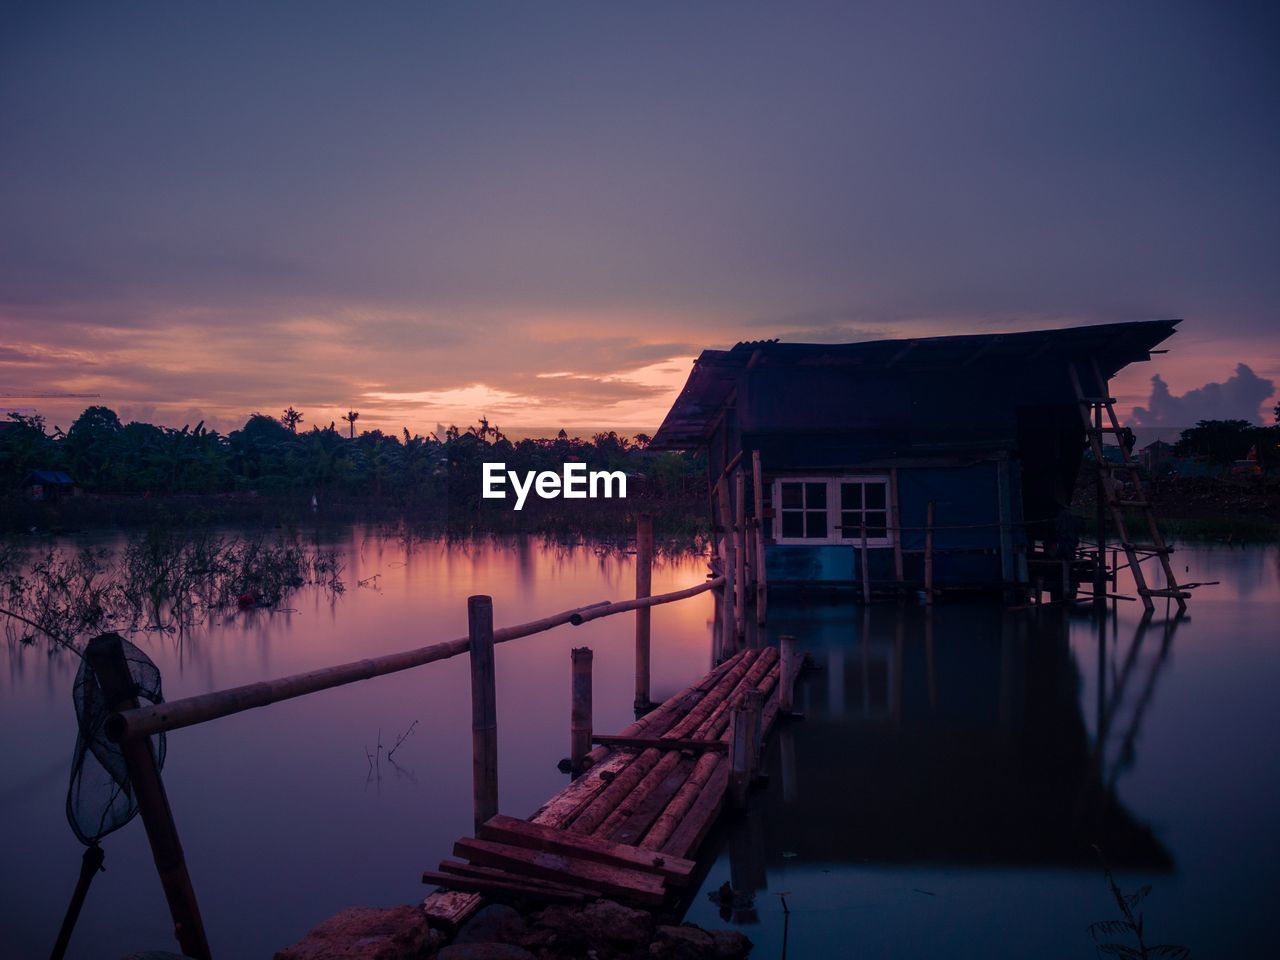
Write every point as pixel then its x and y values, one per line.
pixel 105 654
pixel 644 586
pixel 580 714
pixel 787 674
pixel 484 709
pixel 896 520
pixel 745 745
pixel 740 551
pixel 762 587
pixel 928 553
pixel 864 564
pixel 730 565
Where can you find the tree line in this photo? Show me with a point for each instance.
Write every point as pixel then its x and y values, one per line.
pixel 274 457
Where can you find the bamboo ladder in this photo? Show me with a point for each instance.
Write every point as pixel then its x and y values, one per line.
pixel 1091 409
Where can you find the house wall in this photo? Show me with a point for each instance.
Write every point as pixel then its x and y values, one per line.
pixel 967 543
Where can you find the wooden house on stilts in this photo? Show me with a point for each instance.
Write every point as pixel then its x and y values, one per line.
pixel 938 464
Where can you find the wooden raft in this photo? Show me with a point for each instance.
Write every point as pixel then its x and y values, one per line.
pixel 630 826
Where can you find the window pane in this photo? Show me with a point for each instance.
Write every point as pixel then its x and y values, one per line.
pixel 815 524
pixel 815 496
pixel 876 496
pixel 876 525
pixel 793 524
pixel 791 495
pixel 850 496
pixel 849 522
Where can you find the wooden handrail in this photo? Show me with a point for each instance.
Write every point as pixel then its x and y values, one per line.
pixel 146 721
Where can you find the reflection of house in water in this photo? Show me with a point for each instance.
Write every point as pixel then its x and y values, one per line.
pixel 856 441
pixel 957 737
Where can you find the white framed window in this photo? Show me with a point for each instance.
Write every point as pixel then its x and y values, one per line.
pixel 832 510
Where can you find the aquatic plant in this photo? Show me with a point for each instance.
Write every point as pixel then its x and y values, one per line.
pixel 1108 935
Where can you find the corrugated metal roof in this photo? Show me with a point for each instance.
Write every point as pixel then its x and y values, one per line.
pixel 716 373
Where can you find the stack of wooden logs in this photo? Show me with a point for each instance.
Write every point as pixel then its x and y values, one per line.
pixel 629 826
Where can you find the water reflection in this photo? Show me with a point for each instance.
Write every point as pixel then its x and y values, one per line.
pixel 954 771
pixel 939 798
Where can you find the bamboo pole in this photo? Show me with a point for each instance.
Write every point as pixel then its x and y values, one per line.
pixel 580 713
pixel 740 552
pixel 105 655
pixel 745 744
pixel 174 714
pixel 484 710
pixel 896 520
pixel 762 586
pixel 787 674
pixel 928 553
pixel 644 586
pixel 866 567
pixel 729 561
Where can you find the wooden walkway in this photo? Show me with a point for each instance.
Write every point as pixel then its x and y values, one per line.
pixel 629 828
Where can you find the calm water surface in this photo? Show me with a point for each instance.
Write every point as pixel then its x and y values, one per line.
pixel 938 798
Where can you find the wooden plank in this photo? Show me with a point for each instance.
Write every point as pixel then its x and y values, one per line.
pixel 461 868
pixel 695 826
pixel 449 909
pixel 659 720
pixel 641 815
pixel 522 833
pixel 495 887
pixel 634 885
pixel 561 808
pixel 660 743
pixel 674 814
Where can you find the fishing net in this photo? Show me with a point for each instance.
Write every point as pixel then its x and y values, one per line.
pixel 100 798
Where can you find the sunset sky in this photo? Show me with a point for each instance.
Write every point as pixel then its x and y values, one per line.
pixel 541 212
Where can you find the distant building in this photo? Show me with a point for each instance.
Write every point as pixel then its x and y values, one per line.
pixel 48 485
pixel 859 439
pixel 1155 457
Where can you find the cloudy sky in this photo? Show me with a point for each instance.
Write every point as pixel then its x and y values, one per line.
pixel 542 211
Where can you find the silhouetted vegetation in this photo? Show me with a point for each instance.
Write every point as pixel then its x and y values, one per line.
pixel 1223 442
pixel 270 471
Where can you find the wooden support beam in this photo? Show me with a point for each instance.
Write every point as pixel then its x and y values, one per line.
pixel 729 563
pixel 523 833
pixel 105 655
pixel 644 586
pixel 484 709
pixel 930 511
pixel 787 676
pixel 660 743
pixel 506 885
pixel 635 885
pixel 761 578
pixel 745 749
pixel 740 552
pixel 864 561
pixel 580 711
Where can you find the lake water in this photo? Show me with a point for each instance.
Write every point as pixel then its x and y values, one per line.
pixel 938 798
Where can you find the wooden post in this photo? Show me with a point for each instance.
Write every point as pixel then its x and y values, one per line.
pixel 866 567
pixel 740 550
pixel 928 553
pixel 1100 495
pixel 896 525
pixel 644 587
pixel 105 655
pixel 757 483
pixel 745 748
pixel 580 715
pixel 787 665
pixel 729 562
pixel 484 709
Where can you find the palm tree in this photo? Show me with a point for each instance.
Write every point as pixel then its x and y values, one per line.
pixel 351 418
pixel 292 418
